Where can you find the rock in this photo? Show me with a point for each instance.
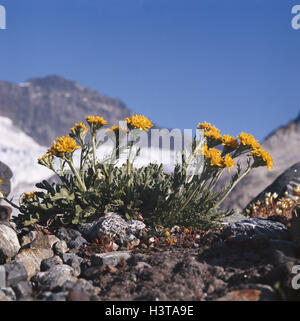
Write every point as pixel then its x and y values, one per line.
pixel 61 247
pixel 78 294
pixel 9 293
pixel 32 258
pixel 23 290
pixel 111 258
pixel 49 296
pixel 236 217
pixel 15 273
pixel 28 238
pixel 44 242
pixel 72 237
pixel 256 227
pixel 9 243
pixel 5 214
pixel 112 225
pixel 50 262
pixel 5 174
pixel 286 247
pixel 54 278
pixel 82 290
pixel 249 295
pixel 285 182
pixel 3 296
pixel 74 261
pixel 93 272
pixel 77 243
pixel 142 265
pixel 2 277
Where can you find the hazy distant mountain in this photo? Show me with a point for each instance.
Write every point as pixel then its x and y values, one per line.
pixel 284 146
pixel 45 108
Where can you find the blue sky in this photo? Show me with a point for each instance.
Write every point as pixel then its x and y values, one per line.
pixel 233 63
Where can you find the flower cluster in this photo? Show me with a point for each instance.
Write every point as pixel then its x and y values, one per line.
pixel 232 148
pixel 261 157
pixel 139 122
pixel 272 206
pixel 215 157
pixel 79 127
pixel 96 121
pixel 63 145
pixel 28 197
pixel 230 141
pixel 248 141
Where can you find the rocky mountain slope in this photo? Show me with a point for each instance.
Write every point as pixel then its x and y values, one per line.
pixel 45 108
pixel 284 146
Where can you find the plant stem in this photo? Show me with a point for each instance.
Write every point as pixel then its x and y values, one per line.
pixel 70 162
pixel 94 150
pixel 232 186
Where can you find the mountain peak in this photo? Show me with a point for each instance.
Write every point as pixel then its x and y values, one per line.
pixel 54 82
pixel 46 107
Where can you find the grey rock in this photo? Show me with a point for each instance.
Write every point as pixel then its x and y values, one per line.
pixel 111 258
pixel 74 261
pixel 32 258
pixel 257 227
pixel 23 290
pixel 81 290
pixel 5 214
pixel 49 296
pixel 3 297
pixel 55 277
pixel 72 237
pixel 9 243
pixel 50 262
pixel 44 242
pixel 9 293
pixel 113 225
pixel 5 174
pixel 142 265
pixel 28 238
pixel 2 277
pixel 15 273
pixel 77 243
pixel 61 247
pixel 286 247
pixel 236 217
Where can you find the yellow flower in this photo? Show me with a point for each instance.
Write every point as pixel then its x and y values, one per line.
pixel 64 144
pixel 46 159
pixel 214 155
pixel 230 141
pixel 79 127
pixel 228 162
pixel 117 129
pixel 248 140
pixel 28 197
pixel 261 157
pixel 167 233
pixel 1 181
pixel 96 122
pixel 206 126
pixel 186 230
pixel 213 133
pixel 139 122
pixel 170 240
